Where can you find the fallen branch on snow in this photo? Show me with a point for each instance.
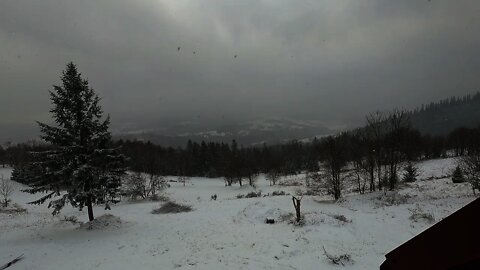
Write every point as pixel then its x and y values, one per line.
pixel 19 258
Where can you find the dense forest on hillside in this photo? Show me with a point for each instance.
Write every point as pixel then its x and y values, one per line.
pixel 376 150
pixel 442 117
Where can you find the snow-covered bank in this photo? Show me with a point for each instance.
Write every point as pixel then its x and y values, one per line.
pixel 230 233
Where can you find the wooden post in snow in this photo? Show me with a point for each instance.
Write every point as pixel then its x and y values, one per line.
pixel 296 204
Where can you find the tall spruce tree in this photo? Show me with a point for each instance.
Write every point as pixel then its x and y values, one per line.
pixel 82 169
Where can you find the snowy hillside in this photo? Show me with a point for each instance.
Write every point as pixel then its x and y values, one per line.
pixel 231 233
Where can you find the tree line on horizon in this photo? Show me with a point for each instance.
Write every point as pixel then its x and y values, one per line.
pixel 447 124
pixel 80 164
pixel 387 140
pixel 458 115
pixel 378 141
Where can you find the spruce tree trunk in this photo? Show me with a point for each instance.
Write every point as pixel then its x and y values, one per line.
pixel 90 208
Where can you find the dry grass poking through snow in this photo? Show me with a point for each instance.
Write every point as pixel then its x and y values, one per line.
pixel 279 193
pixel 13 209
pixel 106 221
pixel 342 218
pixel 172 207
pixel 418 214
pixel 338 259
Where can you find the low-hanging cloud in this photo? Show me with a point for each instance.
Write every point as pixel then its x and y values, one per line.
pixel 158 62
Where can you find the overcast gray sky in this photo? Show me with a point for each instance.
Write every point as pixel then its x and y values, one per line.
pixel 332 61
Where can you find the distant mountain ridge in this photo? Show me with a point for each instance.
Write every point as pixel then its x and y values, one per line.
pixel 442 117
pixel 269 131
pixel 435 118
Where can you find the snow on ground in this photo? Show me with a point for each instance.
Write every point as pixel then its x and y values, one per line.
pixel 230 233
pixel 436 168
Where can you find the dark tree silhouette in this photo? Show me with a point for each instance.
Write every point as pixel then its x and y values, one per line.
pixel 81 168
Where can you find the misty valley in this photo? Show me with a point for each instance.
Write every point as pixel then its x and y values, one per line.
pixel 239 135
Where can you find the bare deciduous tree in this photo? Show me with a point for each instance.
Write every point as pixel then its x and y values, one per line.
pixel 312 179
pixel 398 125
pixel 375 132
pixel 361 171
pixel 273 176
pixel 184 179
pixel 138 185
pixel 156 184
pixel 334 164
pixel 6 190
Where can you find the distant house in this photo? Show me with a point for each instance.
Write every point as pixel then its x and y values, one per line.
pixel 453 244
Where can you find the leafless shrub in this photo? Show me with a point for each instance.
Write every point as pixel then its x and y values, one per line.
pixel 273 176
pixel 312 178
pixel 298 192
pixel 470 165
pixel 172 208
pixel 338 259
pixel 156 184
pixel 159 198
pixel 6 190
pixel 311 192
pixel 183 180
pixel 138 186
pixel 253 194
pixel 286 217
pixel 300 223
pixel 279 193
pixel 103 222
pixel 393 198
pixel 290 183
pixel 71 219
pixel 341 218
pixel 418 214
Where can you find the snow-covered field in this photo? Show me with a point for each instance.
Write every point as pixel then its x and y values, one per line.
pixel 230 233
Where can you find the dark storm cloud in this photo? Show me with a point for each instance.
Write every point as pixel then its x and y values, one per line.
pixel 331 61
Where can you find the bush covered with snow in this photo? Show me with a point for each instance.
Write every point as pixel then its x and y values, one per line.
pixel 172 208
